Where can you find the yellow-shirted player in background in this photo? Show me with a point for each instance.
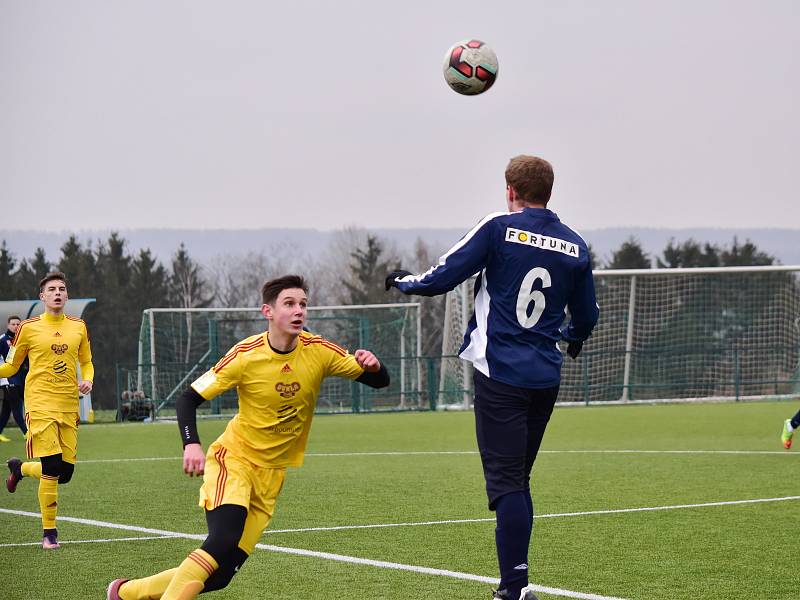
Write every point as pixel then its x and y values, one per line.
pixel 55 344
pixel 277 375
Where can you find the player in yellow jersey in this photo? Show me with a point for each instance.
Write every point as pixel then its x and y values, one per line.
pixel 55 345
pixel 277 375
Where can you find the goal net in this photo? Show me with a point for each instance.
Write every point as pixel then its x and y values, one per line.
pixel 177 345
pixel 670 334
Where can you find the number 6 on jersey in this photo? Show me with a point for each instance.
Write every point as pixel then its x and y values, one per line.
pixel 527 295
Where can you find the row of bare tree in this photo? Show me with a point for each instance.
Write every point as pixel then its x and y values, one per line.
pixel 351 271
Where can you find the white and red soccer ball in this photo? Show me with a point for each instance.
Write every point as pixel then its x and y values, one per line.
pixel 470 67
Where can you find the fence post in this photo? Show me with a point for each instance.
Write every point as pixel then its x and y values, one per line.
pixel 626 378
pixel 586 359
pixel 153 368
pixel 119 395
pixel 355 397
pixel 432 387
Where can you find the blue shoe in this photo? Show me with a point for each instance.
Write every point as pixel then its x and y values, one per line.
pixel 50 540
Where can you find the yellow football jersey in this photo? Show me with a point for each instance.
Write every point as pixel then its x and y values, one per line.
pixel 55 346
pixel 277 395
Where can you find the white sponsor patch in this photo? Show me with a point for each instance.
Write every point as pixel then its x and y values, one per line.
pixel 206 379
pixel 526 238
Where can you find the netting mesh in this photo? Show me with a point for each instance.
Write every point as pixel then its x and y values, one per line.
pixel 176 346
pixel 669 334
pixel 455 375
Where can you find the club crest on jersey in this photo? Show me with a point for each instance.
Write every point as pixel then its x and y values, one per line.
pixel 287 390
pixel 536 240
pixel 60 367
pixel 59 348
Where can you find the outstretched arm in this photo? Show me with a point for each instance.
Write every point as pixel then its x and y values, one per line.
pixel 459 263
pixel 194 459
pixel 375 374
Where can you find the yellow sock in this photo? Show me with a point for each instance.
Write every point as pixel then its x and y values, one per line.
pixel 48 500
pixel 191 576
pixel 32 469
pixel 148 587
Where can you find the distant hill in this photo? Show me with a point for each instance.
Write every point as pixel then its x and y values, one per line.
pixel 204 245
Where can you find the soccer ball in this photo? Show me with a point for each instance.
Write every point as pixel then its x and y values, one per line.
pixel 470 67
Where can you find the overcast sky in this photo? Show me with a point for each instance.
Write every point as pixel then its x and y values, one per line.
pixel 235 114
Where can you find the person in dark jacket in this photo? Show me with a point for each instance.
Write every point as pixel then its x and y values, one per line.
pixel 12 389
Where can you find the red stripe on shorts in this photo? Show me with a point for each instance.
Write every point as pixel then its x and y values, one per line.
pixel 28 438
pixel 222 477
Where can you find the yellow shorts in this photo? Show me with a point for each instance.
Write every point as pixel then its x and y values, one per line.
pixel 230 479
pixel 51 432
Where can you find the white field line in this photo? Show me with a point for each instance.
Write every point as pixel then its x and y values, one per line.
pixel 162 534
pixel 722 452
pixel 585 513
pixel 102 541
pixel 429 571
pixel 542 516
pixel 109 525
pixel 121 460
pixel 475 452
pixel 159 534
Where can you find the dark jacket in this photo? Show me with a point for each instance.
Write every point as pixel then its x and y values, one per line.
pixel 18 378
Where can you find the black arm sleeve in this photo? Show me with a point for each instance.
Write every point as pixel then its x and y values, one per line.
pixel 380 379
pixel 186 408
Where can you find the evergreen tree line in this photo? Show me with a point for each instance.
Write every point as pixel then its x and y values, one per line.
pixel 351 272
pixel 123 286
pixel 690 253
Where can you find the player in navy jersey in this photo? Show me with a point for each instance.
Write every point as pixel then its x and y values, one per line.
pixel 530 267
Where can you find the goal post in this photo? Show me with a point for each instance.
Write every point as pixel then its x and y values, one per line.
pixel 176 345
pixel 714 333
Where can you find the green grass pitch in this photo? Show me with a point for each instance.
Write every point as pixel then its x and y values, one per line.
pixel 421 471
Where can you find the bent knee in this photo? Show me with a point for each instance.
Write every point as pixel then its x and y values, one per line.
pixel 67 469
pixel 228 567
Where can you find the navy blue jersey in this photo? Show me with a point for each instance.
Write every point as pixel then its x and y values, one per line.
pixel 18 378
pixel 530 268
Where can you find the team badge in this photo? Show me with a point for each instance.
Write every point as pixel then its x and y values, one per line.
pixel 287 390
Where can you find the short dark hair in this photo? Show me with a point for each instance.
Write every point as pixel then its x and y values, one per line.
pixel 52 276
pixel 12 317
pixel 272 288
pixel 531 177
